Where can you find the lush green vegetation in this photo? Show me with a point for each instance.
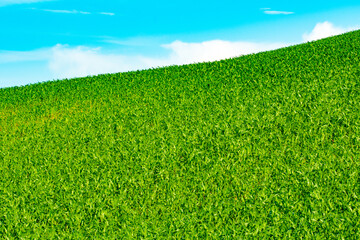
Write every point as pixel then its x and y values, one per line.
pixel 264 145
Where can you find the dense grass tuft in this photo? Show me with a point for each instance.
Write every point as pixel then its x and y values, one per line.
pixel 265 145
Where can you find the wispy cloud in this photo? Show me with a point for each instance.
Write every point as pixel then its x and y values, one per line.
pixel 72 11
pixel 272 12
pixel 278 12
pixel 65 11
pixel 107 13
pixel 12 2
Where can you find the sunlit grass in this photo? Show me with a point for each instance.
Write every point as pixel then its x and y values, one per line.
pixel 262 146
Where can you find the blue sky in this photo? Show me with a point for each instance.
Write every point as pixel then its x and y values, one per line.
pixel 45 40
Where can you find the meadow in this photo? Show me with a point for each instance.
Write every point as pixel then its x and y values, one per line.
pixel 260 146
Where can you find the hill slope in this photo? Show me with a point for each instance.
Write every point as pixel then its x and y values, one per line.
pixel 261 145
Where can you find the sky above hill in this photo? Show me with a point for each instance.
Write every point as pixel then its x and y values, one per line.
pixel 53 39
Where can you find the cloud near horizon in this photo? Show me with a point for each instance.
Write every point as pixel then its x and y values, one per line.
pixel 179 53
pixel 69 61
pixel 65 61
pixel 80 61
pixel 324 30
pixel 183 52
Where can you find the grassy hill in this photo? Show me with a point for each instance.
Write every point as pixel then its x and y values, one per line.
pixel 264 145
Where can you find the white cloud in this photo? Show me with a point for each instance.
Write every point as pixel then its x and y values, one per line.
pixel 107 13
pixel 67 62
pixel 64 61
pixel 182 52
pixel 12 2
pixel 278 12
pixel 323 30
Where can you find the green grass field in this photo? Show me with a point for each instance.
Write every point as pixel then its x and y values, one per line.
pixel 260 146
